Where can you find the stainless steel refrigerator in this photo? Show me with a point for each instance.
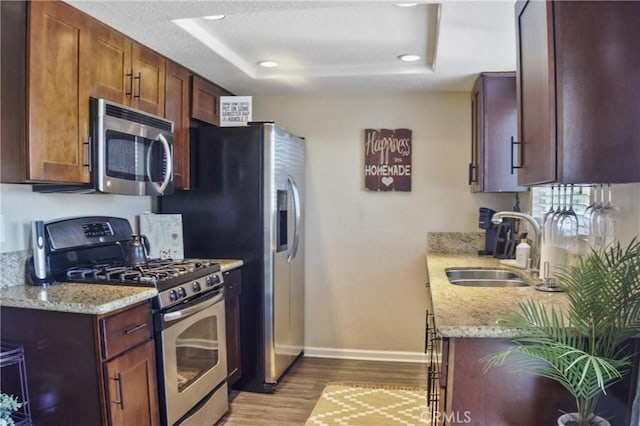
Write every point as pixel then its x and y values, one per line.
pixel 247 202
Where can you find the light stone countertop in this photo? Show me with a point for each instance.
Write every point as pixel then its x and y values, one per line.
pixel 477 311
pixel 84 298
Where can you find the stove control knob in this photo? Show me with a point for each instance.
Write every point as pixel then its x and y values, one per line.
pixel 173 296
pixel 196 286
pixel 209 281
pixel 182 292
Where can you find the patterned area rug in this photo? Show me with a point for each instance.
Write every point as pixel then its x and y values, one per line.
pixel 350 404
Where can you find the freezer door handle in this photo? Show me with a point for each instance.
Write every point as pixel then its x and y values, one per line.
pixel 296 215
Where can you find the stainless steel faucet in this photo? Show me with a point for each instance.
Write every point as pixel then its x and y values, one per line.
pixel 533 226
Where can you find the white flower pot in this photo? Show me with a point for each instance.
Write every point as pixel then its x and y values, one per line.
pixel 567 419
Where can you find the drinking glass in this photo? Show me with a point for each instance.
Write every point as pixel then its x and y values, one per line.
pixel 595 238
pixel 608 221
pixel 556 230
pixel 568 225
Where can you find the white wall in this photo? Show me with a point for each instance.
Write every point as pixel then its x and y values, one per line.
pixel 365 251
pixel 19 206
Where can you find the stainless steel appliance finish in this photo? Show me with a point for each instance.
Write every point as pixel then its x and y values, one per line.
pixel 284 266
pixel 133 150
pixel 189 315
pixel 247 202
pixel 193 350
pixel 38 265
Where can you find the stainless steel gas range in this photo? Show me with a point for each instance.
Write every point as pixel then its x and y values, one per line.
pixel 189 316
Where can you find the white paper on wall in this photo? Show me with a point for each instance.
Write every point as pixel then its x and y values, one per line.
pixel 164 232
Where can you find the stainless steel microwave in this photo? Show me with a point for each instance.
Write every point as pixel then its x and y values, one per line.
pixel 131 151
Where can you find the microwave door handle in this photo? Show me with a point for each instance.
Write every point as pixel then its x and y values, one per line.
pixel 296 218
pixel 167 177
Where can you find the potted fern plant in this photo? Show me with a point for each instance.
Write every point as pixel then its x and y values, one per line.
pixel 584 347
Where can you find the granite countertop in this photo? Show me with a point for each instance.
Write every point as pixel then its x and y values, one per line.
pixel 228 264
pixel 477 311
pixel 84 298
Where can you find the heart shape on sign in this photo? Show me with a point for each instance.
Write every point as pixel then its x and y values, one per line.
pixel 387 180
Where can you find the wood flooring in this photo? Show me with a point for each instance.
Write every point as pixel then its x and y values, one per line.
pixel 301 387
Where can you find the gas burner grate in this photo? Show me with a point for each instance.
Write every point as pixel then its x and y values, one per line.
pixel 157 270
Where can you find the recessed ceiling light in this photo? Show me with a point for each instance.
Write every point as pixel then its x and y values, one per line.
pixel 409 58
pixel 406 4
pixel 268 64
pixel 214 17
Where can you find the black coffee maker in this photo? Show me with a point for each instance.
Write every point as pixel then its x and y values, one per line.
pixel 484 222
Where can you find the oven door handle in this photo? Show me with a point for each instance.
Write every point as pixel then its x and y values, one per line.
pixel 183 313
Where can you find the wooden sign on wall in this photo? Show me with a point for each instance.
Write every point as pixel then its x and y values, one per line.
pixel 387 159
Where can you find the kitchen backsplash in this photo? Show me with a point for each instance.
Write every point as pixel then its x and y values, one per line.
pixel 455 242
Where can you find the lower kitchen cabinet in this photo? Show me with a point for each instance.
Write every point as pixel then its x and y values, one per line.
pixel 501 397
pixel 87 369
pixel 131 387
pixel 232 288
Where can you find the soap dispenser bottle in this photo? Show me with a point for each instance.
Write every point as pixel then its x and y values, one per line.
pixel 523 251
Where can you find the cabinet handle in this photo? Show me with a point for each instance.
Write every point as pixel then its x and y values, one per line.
pixel 120 401
pixel 134 329
pixel 88 144
pixel 130 75
pixel 513 144
pixel 472 179
pixel 139 78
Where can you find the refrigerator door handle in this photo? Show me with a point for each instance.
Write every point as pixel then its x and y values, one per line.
pixel 296 222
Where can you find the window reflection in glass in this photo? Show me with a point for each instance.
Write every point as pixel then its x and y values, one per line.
pixel 196 351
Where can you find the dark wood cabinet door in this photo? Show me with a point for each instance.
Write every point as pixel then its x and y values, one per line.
pixel 126 72
pixel 205 101
pixel 176 109
pixel 13 91
pixel 58 126
pixel 232 281
pixel 577 95
pixel 536 95
pixel 131 387
pixel 149 79
pixel 111 61
pixel 494 124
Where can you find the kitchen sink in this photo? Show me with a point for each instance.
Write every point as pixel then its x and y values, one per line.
pixel 484 277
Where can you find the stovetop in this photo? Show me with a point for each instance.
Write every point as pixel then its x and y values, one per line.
pixel 90 250
pixel 155 274
pixel 175 280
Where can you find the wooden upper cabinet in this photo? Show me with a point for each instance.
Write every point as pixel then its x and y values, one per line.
pixel 577 92
pixel 110 63
pixel 205 101
pixel 176 108
pixel 126 72
pixel 494 124
pixel 58 87
pixel 149 79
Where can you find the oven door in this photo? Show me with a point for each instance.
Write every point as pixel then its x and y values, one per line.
pixel 194 352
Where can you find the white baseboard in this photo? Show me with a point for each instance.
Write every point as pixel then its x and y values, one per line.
pixel 367 355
